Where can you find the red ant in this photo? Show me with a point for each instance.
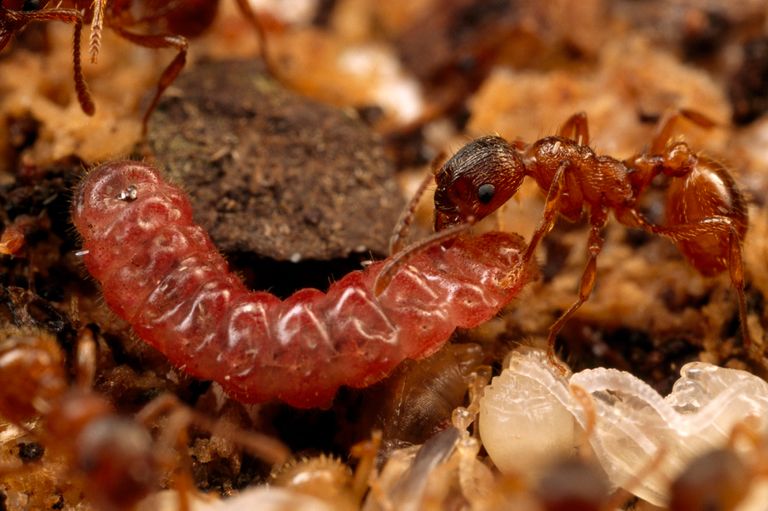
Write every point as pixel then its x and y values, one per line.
pixel 706 213
pixel 114 456
pixel 177 20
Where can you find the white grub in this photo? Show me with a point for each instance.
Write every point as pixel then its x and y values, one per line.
pixel 525 413
pixel 259 497
pixel 527 416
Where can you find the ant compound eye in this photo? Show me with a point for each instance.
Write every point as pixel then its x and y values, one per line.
pixel 31 5
pixel 485 193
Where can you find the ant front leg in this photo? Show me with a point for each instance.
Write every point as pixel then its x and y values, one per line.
pixel 551 210
pixel 597 221
pixel 400 232
pixel 179 43
pixel 576 128
pixel 97 24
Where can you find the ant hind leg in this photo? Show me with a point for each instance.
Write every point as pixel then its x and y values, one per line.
pixel 262 23
pixel 735 263
pixel 668 123
pixel 576 128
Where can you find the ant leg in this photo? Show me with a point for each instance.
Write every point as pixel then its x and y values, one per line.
pixel 736 271
pixel 550 211
pixel 597 221
pixel 735 262
pixel 260 24
pixel 403 225
pixel 669 122
pixel 263 446
pixel 587 404
pixel 85 359
pixel 171 71
pixel 576 128
pixel 633 218
pixel 365 472
pixel 97 23
pixel 747 429
pixel 623 494
pixel 5 36
pixel 388 270
pixel 70 16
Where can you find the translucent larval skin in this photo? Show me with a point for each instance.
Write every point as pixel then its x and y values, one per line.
pixel 529 412
pixel 161 272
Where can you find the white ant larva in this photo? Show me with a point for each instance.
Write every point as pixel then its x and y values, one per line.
pixel 529 415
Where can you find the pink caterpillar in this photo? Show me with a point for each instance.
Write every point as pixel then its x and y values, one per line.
pixel 161 272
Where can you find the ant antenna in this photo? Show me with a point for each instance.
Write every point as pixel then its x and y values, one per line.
pixel 390 268
pixel 406 217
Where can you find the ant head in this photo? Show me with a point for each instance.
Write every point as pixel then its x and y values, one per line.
pixel 31 373
pixel 478 179
pixel 116 454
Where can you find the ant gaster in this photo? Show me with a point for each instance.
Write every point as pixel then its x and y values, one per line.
pixel 706 214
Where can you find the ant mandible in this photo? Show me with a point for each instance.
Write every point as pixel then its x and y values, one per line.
pixel 706 213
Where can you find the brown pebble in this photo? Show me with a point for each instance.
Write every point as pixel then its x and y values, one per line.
pixel 273 173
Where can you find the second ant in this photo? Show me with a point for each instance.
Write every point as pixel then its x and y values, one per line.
pixel 114 457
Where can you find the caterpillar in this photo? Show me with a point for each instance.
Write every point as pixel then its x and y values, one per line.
pixel 162 273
